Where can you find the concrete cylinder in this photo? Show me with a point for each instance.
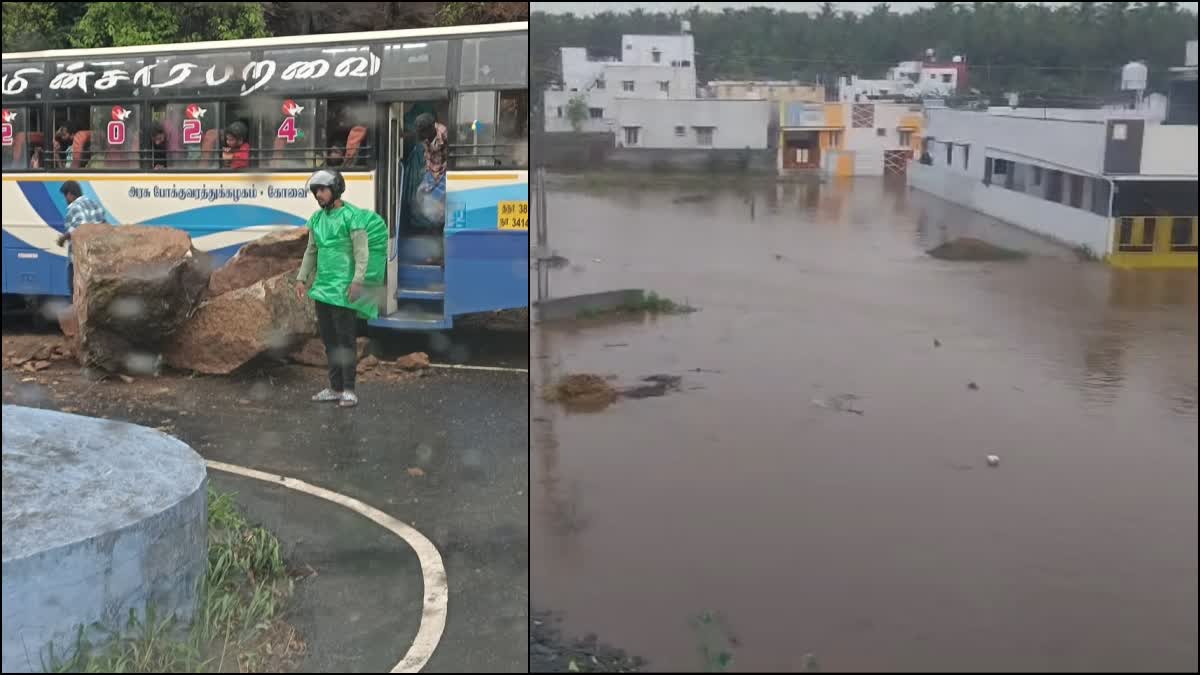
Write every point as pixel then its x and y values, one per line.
pixel 100 518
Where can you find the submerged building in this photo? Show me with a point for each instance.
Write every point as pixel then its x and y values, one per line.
pixel 1120 184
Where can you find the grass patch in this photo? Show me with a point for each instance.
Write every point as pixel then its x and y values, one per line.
pixel 236 626
pixel 650 303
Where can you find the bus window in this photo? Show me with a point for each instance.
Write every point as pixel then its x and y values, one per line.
pixel 70 144
pixel 491 130
pixel 346 140
pixel 289 130
pixel 414 65
pixel 474 143
pixel 23 139
pixel 116 132
pixel 512 129
pixel 496 61
pixel 192 136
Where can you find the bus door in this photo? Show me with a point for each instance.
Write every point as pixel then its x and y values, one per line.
pixel 415 271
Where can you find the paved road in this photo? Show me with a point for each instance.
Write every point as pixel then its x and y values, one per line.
pixel 467 431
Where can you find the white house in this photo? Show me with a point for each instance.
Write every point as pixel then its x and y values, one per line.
pixel 908 79
pixel 648 99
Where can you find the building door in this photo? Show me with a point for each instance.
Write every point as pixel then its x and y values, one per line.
pixel 801 153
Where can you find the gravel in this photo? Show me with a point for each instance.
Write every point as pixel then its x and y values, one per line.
pixel 551 652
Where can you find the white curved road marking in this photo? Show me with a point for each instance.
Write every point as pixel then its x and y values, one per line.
pixel 433 616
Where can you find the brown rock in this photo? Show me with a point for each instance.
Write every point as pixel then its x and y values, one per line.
pixel 271 255
pixel 413 361
pixel 134 287
pixel 367 364
pixel 231 329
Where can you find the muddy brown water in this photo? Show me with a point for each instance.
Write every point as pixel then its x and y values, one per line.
pixel 879 541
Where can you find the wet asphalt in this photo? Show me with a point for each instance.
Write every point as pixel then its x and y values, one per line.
pixel 467 432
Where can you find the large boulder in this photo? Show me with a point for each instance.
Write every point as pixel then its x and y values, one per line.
pixel 135 285
pixel 231 329
pixel 263 258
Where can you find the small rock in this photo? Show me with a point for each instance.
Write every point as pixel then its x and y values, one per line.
pixel 937 342
pixel 414 361
pixel 416 471
pixel 126 379
pixel 972 386
pixel 993 460
pixel 41 365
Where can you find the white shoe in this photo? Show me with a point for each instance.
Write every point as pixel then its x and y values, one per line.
pixel 327 395
pixel 349 400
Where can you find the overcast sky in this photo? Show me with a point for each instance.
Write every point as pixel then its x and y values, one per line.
pixel 587 8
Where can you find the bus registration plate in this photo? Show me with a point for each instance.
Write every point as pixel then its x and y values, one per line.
pixel 512 216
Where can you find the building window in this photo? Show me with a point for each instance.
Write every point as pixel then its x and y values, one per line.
pixel 1076 191
pixel 1054 180
pixel 949 154
pixel 1181 235
pixel 656 56
pixel 1000 167
pixel 596 113
pixel 946 78
pixel 600 84
pixel 1149 225
pixel 967 157
pixel 1037 175
pixel 560 111
pixel 631 135
pixel 664 87
pixel 882 133
pixel 627 85
pixel 906 138
pixel 1126 234
pixel 685 63
pixel 680 131
pixel 932 76
pixel 835 139
pixel 704 136
pixel 1120 132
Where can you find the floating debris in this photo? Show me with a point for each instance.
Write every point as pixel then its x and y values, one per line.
pixel 972 386
pixel 840 403
pixel 993 460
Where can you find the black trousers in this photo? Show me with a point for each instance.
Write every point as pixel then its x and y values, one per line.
pixel 339 328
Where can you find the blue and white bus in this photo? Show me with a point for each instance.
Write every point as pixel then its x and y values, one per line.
pixel 141 130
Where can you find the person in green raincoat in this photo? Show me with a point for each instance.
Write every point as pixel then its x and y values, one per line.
pixel 343 271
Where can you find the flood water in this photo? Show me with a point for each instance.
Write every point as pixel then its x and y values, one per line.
pixel 880 541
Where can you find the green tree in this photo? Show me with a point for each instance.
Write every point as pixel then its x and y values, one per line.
pixel 121 24
pixel 577 112
pixel 30 26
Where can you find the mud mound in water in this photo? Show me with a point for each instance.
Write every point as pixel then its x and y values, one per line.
pixel 582 390
pixel 973 250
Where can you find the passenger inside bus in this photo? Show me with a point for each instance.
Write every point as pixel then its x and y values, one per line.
pixel 72 147
pixel 237 149
pixel 347 138
pixel 158 146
